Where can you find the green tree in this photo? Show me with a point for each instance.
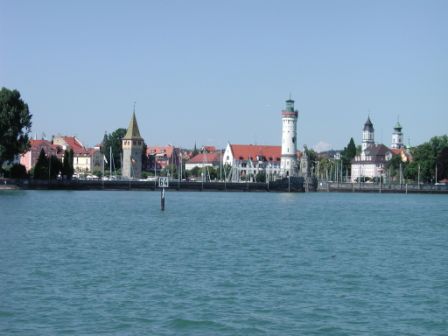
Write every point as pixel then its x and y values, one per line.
pixel 312 158
pixel 393 167
pixel 226 170
pixel 40 170
pixel 113 140
pixel 426 156
pixel 325 165
pixel 347 155
pixel 212 173
pixel 260 177
pixel 67 170
pixel 15 125
pixel 196 171
pixel 18 171
pixel 55 166
pixel 170 170
pixel 442 164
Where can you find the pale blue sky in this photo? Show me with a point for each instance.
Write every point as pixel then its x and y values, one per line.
pixel 218 71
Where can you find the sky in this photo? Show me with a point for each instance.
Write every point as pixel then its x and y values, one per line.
pixel 213 72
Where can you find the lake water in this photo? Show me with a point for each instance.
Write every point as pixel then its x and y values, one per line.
pixel 87 263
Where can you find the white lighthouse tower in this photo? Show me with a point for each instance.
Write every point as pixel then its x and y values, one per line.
pixel 397 137
pixel 288 163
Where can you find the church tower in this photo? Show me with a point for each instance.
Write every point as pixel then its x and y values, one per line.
pixel 397 137
pixel 368 135
pixel 288 163
pixel 132 145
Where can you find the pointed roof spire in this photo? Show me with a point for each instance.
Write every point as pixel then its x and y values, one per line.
pixel 368 126
pixel 133 131
pixel 398 125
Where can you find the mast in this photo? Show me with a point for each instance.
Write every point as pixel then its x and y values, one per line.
pixel 111 162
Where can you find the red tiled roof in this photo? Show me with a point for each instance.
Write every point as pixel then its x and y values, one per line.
pixel 168 150
pixel 206 158
pixel 43 143
pixel 250 152
pixel 246 152
pixel 209 149
pixel 75 144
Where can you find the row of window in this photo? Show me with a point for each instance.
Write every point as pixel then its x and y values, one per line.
pixel 134 142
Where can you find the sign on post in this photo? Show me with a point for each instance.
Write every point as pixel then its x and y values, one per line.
pixel 163 182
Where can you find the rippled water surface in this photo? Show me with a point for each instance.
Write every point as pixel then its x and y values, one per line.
pixel 87 263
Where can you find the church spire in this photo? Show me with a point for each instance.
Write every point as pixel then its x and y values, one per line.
pixel 133 131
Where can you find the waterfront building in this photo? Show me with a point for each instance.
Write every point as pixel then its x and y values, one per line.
pixel 204 159
pixel 370 164
pixel 132 145
pixel 29 158
pixel 288 161
pixel 160 157
pixel 397 137
pixel 85 160
pixel 246 161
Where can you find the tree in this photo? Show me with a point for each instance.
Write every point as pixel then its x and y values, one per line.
pixel 260 177
pixel 393 166
pixel 348 155
pixel 18 171
pixel 40 171
pixel 113 140
pixel 15 125
pixel 227 168
pixel 426 157
pixel 442 164
pixel 312 157
pixel 55 166
pixel 67 169
pixel 196 171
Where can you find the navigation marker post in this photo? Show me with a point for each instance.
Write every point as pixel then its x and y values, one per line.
pixel 163 183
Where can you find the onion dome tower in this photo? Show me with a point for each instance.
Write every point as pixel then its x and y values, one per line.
pixel 397 137
pixel 132 145
pixel 288 163
pixel 368 135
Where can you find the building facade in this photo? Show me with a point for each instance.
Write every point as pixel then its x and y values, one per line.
pixel 288 161
pixel 160 157
pixel 132 146
pixel 246 161
pixel 205 159
pixel 29 158
pixel 85 160
pixel 371 163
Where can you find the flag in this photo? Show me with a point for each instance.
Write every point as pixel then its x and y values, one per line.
pixel 105 160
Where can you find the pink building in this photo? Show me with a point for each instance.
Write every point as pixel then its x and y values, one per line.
pixel 29 159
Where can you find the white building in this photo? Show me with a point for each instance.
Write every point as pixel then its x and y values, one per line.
pixel 288 163
pixel 203 160
pixel 249 160
pixel 372 161
pixel 85 160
